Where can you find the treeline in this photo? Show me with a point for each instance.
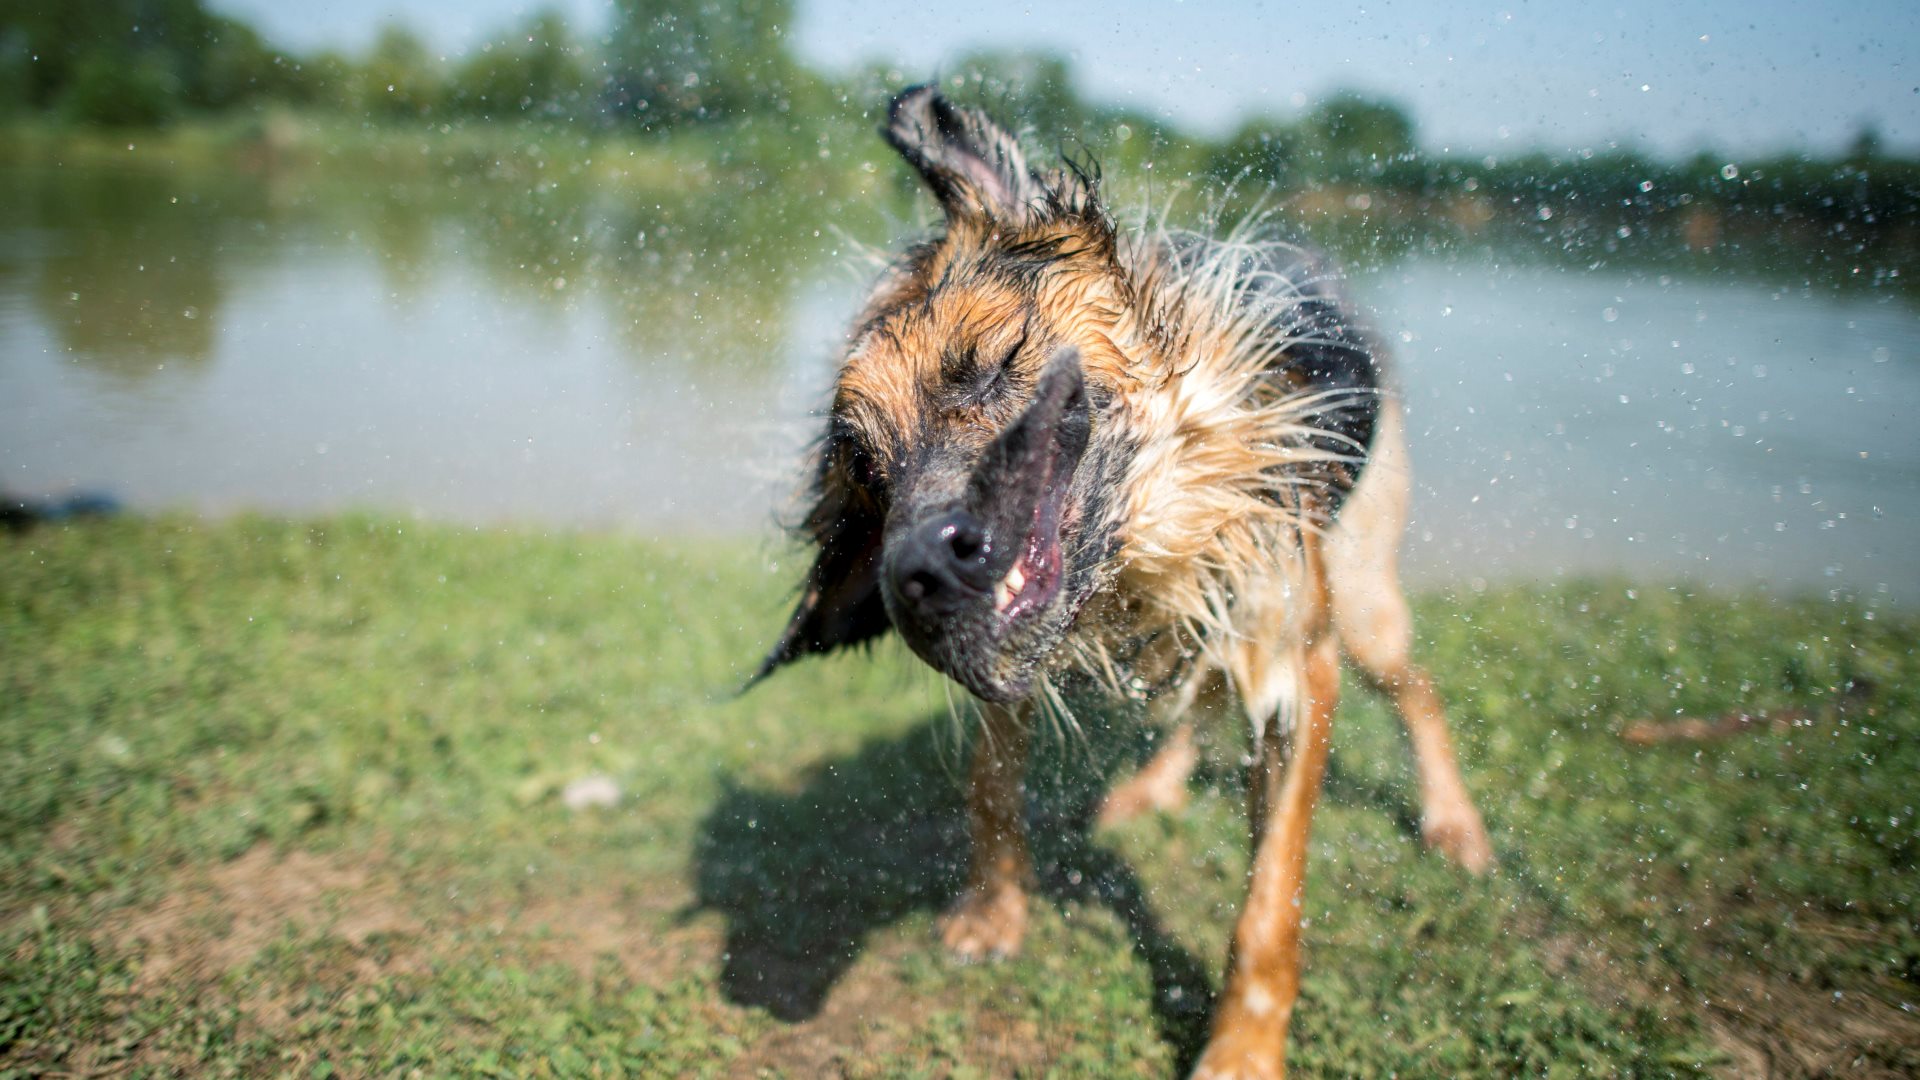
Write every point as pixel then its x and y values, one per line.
pixel 667 66
pixel 134 62
pixel 662 63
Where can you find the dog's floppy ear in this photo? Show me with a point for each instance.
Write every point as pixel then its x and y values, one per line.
pixel 973 165
pixel 841 602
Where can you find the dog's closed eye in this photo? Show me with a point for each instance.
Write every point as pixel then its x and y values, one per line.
pixel 851 464
pixel 863 471
pixel 972 384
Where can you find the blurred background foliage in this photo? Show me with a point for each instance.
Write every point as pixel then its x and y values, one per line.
pixel 720 78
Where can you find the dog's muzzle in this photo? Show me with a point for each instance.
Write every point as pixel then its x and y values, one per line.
pixel 968 573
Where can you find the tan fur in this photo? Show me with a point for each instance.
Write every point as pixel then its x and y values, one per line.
pixel 1375 630
pixel 1212 566
pixel 1177 346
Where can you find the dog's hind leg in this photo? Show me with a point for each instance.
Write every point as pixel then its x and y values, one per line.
pixel 990 918
pixel 1376 629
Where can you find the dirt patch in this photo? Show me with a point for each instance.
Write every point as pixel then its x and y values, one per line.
pixel 581 929
pixel 217 921
pixel 1796 1030
pixel 1778 1017
pixel 1770 1026
pixel 871 1015
pixel 223 916
pixel 1765 1024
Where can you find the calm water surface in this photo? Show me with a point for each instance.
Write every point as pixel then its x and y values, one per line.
pixel 218 343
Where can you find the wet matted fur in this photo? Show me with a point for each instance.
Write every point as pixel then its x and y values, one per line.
pixel 1157 460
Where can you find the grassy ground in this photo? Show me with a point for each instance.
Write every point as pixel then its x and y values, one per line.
pixel 286 798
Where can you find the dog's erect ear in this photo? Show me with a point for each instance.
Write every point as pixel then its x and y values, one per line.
pixel 841 603
pixel 973 165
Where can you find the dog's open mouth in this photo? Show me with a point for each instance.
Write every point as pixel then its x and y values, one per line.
pixel 1020 487
pixel 976 583
pixel 1033 580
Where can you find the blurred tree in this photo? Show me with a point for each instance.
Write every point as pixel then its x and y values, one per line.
pixel 107 90
pixel 1352 133
pixel 669 62
pixel 327 79
pixel 1866 144
pixel 1028 88
pixel 85 54
pixel 534 69
pixel 134 61
pixel 1264 151
pixel 16 77
pixel 399 79
pixel 231 64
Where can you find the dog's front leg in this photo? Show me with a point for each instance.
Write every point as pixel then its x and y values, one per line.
pixel 1263 973
pixel 990 918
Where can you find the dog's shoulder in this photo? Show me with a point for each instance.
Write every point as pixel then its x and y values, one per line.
pixel 1331 354
pixel 1283 308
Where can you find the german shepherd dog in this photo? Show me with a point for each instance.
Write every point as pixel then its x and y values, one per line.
pixel 1160 461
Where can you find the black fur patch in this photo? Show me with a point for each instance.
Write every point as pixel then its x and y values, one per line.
pixel 1331 355
pixel 1334 356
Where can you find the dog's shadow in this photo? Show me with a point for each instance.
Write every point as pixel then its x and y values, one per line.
pixel 803 874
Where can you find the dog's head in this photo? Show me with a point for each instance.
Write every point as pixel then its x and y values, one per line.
pixel 962 483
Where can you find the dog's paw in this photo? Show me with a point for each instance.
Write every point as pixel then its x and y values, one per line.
pixel 1141 794
pixel 1231 1058
pixel 985 924
pixel 1160 786
pixel 1239 1071
pixel 1460 835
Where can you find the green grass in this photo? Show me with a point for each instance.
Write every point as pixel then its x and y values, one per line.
pixel 284 798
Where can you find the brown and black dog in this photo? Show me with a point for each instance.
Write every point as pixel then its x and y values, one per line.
pixel 1157 460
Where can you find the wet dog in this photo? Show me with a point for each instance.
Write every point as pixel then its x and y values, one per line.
pixel 1159 461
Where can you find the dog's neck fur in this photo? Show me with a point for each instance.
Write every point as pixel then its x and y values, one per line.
pixel 1215 462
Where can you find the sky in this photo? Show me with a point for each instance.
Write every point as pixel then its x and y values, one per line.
pixel 1732 76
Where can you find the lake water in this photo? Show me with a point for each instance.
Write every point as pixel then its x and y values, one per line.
pixel 216 343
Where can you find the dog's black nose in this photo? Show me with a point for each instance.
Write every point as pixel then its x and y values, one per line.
pixel 942 562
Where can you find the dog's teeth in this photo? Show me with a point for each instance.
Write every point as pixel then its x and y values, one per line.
pixel 1008 587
